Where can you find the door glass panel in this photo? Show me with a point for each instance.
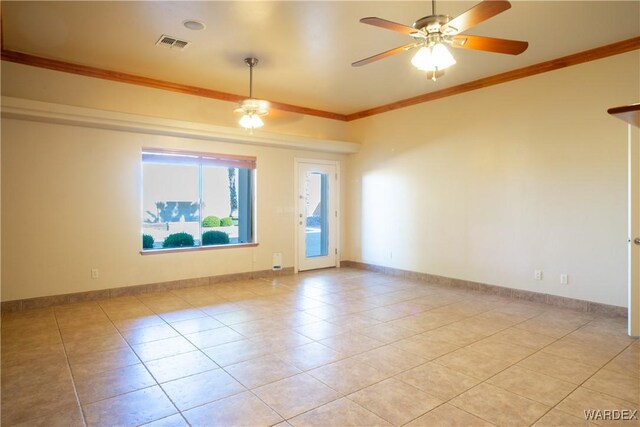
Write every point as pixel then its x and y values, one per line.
pixel 317 221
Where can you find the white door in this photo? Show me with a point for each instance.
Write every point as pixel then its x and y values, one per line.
pixel 316 214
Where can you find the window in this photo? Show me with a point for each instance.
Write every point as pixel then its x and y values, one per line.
pixel 196 200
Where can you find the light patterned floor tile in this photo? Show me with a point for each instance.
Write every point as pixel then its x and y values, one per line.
pixel 294 395
pixel 179 366
pixel 498 406
pixel 626 362
pixel 241 410
pixel 541 388
pixel 398 347
pixel 199 324
pixel 448 415
pixel 213 337
pixel 390 360
pixel 386 333
pixel 175 420
pixel 263 370
pixel 236 352
pixel 395 401
pixel 425 347
pixel 198 389
pixel 339 413
pixel 351 343
pixel 162 348
pixel 438 380
pixel 347 376
pixel 473 364
pixel 506 351
pixel 581 352
pixel 70 416
pixel 584 399
pixel 94 387
pixel 523 337
pixel 310 356
pixel 131 409
pixel 558 367
pixel 555 418
pixel 623 386
pixel 148 334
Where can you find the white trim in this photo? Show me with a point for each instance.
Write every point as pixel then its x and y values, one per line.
pixel 295 214
pixel 633 170
pixel 25 109
pixel 296 163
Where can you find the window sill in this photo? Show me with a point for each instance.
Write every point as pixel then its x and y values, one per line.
pixel 197 248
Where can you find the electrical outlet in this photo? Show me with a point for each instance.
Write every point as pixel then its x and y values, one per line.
pixel 95 273
pixel 564 279
pixel 537 274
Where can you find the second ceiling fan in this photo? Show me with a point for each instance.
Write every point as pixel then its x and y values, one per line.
pixel 433 33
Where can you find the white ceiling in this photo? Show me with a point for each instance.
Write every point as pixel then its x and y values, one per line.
pixel 305 48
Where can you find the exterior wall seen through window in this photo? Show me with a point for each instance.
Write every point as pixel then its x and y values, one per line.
pixel 194 200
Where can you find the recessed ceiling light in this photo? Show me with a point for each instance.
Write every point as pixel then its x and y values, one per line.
pixel 192 24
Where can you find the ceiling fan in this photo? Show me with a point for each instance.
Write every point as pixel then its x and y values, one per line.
pixel 434 32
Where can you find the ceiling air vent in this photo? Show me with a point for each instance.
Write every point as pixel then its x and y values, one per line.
pixel 172 42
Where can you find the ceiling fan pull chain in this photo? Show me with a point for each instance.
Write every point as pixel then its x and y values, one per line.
pixel 433 7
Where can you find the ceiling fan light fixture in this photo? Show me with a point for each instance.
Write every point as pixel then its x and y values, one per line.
pixel 251 108
pixel 251 121
pixel 442 57
pixel 422 59
pixel 433 58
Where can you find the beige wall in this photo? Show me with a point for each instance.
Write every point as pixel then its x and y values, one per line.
pixel 72 202
pixel 485 186
pixel 71 196
pixel 492 184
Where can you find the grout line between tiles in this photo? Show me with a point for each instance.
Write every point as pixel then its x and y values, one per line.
pixel 73 380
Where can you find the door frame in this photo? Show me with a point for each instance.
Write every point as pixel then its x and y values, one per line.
pixel 296 173
pixel 631 115
pixel 633 316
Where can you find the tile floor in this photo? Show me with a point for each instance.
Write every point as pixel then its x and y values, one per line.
pixel 333 347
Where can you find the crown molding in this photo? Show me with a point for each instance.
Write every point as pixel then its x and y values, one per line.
pixel 85 70
pixel 531 70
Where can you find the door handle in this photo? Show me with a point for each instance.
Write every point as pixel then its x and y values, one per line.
pixel 637 241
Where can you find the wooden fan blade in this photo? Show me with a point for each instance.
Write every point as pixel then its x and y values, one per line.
pixel 384 54
pixel 477 14
pixel 489 44
pixel 389 25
